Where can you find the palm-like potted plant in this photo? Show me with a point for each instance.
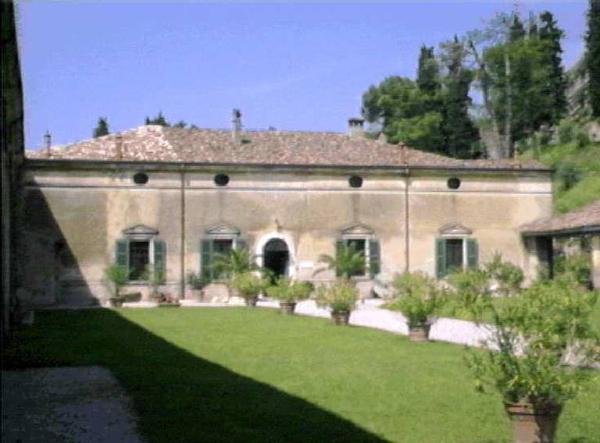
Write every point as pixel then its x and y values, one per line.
pixel 231 264
pixel 418 297
pixel 533 335
pixel 341 298
pixel 289 293
pixel 118 276
pixel 346 263
pixel 249 285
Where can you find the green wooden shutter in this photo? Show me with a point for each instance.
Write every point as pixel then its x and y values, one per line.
pixel 374 258
pixel 160 256
pixel 440 258
pixel 472 253
pixel 122 253
pixel 339 246
pixel 241 244
pixel 206 259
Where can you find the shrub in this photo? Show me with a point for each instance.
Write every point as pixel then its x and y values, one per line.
pixel 236 261
pixel 249 285
pixel 196 281
pixel 532 336
pixel 566 132
pixel 471 290
pixel 346 263
pixel 508 277
pixel 117 275
pixel 340 297
pixel 418 297
pixel 290 291
pixel 577 266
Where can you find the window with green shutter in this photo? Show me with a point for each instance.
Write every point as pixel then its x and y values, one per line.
pixel 440 258
pixel 472 253
pixel 122 253
pixel 374 258
pixel 160 255
pixel 206 258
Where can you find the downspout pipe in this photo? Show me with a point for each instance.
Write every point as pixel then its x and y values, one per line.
pixel 182 228
pixel 406 220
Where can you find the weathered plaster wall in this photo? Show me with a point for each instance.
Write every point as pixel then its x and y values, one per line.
pixel 90 209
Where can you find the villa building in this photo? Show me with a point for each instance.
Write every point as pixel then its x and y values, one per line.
pixel 172 198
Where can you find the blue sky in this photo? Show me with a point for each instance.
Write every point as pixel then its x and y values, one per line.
pixel 290 66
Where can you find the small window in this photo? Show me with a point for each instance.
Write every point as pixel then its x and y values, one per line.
pixel 140 178
pixel 454 254
pixel 221 179
pixel 359 245
pixel 355 181
pixel 139 259
pixel 454 183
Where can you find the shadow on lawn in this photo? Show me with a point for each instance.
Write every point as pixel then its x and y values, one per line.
pixel 178 396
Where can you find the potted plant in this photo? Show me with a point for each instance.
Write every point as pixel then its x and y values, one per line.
pixel 346 263
pixel 196 283
pixel 289 293
pixel 228 266
pixel 249 285
pixel 118 276
pixel 418 297
pixel 526 362
pixel 341 298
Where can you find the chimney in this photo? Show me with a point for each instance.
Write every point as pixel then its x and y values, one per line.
pixel 48 142
pixel 119 147
pixel 236 126
pixel 355 128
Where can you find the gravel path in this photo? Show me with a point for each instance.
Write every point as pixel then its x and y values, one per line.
pixel 84 404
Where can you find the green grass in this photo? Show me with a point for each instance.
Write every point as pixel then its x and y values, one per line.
pixel 585 160
pixel 254 375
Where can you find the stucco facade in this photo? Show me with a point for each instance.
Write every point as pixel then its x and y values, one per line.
pixel 76 211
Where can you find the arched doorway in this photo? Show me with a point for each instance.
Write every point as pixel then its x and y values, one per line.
pixel 276 257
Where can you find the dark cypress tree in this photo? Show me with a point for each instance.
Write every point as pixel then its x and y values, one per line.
pixel 428 71
pixel 101 128
pixel 516 30
pixel 592 56
pixel 549 36
pixel 158 120
pixel 460 134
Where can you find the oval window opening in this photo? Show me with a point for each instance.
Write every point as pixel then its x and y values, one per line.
pixel 355 181
pixel 221 179
pixel 140 178
pixel 454 183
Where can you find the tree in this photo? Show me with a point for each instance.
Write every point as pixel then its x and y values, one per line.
pixel 592 57
pixel 428 71
pixel 459 131
pixel 556 85
pixel 101 128
pixel 158 120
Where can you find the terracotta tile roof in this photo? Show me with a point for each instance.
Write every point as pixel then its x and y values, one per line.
pixel 157 143
pixel 586 219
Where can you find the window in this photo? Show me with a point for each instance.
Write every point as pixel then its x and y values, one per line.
pixel 361 239
pixel 355 181
pixel 141 251
pixel 454 183
pixel 221 179
pixel 218 242
pixel 140 178
pixel 455 254
pixel 139 259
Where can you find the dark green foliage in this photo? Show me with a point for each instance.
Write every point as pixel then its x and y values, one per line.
pixel 592 56
pixel 428 71
pixel 568 175
pixel 158 120
pixel 556 84
pixel 180 124
pixel 101 128
pixel 458 129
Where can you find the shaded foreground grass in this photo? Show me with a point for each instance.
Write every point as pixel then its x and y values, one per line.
pixel 253 375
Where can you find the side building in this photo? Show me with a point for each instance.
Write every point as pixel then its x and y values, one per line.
pixel 11 149
pixel 172 199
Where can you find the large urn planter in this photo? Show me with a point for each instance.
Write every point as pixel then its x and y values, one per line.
pixel 340 318
pixel 419 332
pixel 287 308
pixel 533 424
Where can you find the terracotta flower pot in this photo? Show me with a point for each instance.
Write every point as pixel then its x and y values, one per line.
pixel 287 308
pixel 340 318
pixel 251 301
pixel 418 333
pixel 532 424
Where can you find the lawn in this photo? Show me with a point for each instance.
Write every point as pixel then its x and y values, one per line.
pixel 240 374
